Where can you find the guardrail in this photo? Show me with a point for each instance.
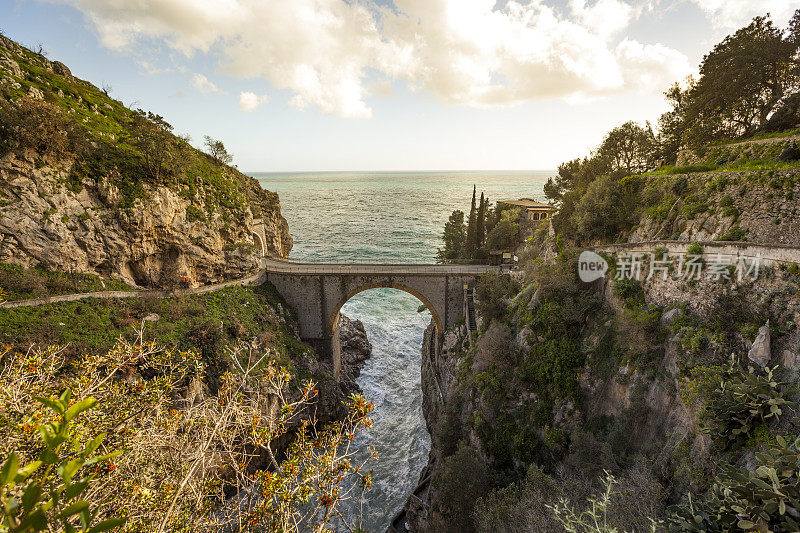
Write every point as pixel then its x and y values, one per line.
pixel 269 265
pixel 292 267
pixel 768 253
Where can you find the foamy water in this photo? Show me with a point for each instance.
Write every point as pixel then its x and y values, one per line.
pixel 389 217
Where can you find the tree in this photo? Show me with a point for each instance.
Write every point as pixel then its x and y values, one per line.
pixel 218 151
pixel 453 237
pixel 480 231
pixel 153 137
pixel 505 234
pixel 672 124
pixel 629 148
pixel 605 209
pixel 576 175
pixel 742 80
pixel 469 249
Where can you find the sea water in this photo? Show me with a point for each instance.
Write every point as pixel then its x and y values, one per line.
pixel 387 217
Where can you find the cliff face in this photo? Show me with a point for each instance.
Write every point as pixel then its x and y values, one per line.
pixel 756 206
pixel 87 185
pixel 620 388
pixel 152 242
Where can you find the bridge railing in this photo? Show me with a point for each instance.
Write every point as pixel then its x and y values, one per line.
pixel 293 267
pixel 768 253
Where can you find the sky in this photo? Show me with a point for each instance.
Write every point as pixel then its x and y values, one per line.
pixel 334 85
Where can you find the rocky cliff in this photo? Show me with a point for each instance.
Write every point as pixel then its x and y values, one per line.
pixel 570 380
pixel 151 243
pixel 755 206
pixel 87 185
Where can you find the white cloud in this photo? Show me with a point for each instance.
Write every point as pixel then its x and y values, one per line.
pixel 736 13
pixel 651 67
pixel 326 52
pixel 204 85
pixel 151 69
pixel 249 102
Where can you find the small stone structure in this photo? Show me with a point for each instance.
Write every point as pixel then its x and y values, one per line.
pixel 534 211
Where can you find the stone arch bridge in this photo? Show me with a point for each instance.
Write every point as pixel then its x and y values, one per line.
pixel 317 292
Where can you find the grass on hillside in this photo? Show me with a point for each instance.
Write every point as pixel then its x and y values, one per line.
pixel 19 283
pixel 215 320
pixel 735 166
pixel 109 126
pixel 758 137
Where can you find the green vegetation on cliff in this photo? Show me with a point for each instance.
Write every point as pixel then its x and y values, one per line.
pixel 747 89
pixel 59 117
pixel 225 418
pixel 488 229
pixel 18 283
pixel 566 380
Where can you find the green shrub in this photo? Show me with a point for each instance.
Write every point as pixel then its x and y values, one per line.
pixel 730 211
pixel 694 249
pixel 694 205
pixel 493 293
pixel 742 401
pixel 680 185
pixel 766 499
pixel 630 290
pixel 660 211
pixel 734 234
pixel 194 213
pixel 527 505
pixel 52 486
pixel 461 479
pixel 595 517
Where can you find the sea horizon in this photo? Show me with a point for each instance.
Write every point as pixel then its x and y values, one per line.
pixel 457 171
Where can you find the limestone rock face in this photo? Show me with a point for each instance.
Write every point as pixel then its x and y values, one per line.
pixel 760 206
pixel 61 68
pixel 149 243
pixel 790 360
pixel 760 351
pixel 669 317
pixel 11 65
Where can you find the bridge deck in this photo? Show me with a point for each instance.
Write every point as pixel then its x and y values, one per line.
pixel 371 269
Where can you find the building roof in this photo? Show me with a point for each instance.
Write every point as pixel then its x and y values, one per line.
pixel 526 203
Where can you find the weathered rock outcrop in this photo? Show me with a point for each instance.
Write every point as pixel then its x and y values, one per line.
pixel 760 351
pixel 760 204
pixel 356 349
pixel 153 242
pixel 80 192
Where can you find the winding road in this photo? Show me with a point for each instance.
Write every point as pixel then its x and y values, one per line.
pixel 268 265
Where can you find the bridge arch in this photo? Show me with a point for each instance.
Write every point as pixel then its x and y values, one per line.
pixel 260 240
pixel 333 319
pixel 317 291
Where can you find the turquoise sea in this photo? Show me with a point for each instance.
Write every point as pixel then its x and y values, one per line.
pixel 387 217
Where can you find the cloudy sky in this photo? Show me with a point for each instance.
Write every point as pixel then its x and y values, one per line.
pixel 294 85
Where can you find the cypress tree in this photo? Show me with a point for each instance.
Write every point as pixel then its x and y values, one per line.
pixel 480 232
pixel 469 249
